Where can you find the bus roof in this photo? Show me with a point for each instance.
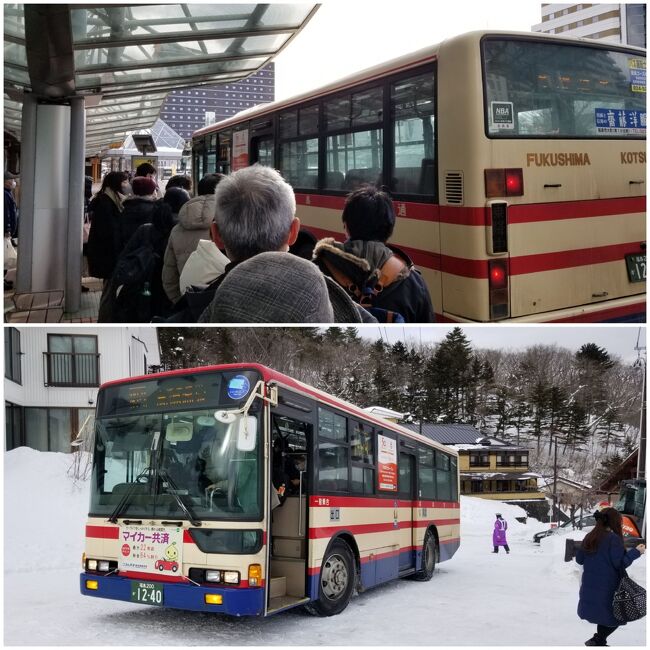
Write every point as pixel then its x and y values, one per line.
pixel 405 62
pixel 270 375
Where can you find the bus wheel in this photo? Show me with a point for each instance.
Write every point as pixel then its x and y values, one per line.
pixel 337 577
pixel 429 556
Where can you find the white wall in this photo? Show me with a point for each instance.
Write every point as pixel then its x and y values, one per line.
pixel 122 352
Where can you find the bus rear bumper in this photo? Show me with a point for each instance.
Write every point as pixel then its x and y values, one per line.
pixel 235 602
pixel 631 309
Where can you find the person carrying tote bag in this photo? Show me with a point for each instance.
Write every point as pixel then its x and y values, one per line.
pixel 603 558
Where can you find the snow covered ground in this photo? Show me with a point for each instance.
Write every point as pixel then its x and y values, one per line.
pixel 527 598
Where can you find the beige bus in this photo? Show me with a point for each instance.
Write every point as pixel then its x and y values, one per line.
pixel 238 490
pixel 516 163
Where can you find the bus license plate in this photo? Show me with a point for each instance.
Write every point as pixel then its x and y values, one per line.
pixel 635 267
pixel 147 593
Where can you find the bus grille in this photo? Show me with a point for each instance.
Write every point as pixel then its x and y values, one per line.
pixel 454 187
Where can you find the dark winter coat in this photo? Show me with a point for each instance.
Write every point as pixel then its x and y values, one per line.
pixel 499 533
pixel 136 211
pixel 360 261
pixel 133 304
pixel 600 578
pixel 11 214
pixel 103 245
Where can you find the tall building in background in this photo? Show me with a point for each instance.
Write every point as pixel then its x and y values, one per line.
pixel 620 23
pixel 190 109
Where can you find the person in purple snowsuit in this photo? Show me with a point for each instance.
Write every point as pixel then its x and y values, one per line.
pixel 499 534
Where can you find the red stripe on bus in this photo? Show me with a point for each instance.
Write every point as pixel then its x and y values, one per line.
pixel 187 538
pixel 142 575
pixel 423 523
pixel 367 502
pixel 573 258
pixel 103 532
pixel 575 209
pixel 480 216
pixel 403 209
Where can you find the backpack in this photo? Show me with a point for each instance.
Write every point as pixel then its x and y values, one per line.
pixel 128 298
pixel 366 294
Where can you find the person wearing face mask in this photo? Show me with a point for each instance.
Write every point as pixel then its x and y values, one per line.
pixel 104 213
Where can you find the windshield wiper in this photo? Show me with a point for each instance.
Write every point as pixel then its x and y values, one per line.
pixel 126 499
pixel 174 492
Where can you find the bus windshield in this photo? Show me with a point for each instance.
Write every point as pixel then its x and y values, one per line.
pixel 543 89
pixel 177 463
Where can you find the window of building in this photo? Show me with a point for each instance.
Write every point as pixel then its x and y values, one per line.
pixel 13 355
pixel 13 426
pixel 72 360
pixel 477 487
pixel 479 459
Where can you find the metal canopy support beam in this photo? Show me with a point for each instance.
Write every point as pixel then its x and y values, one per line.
pixel 48 45
pixel 76 186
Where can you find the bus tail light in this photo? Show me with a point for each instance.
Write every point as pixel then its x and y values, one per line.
pixel 498 283
pixel 504 182
pixel 254 575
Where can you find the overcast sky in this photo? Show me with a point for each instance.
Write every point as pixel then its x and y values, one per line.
pixel 619 340
pixel 346 36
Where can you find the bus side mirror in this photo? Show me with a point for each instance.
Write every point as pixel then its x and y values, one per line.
pixel 246 433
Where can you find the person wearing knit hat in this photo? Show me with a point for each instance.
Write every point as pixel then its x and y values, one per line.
pixel 138 208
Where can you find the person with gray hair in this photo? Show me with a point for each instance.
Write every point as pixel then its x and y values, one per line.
pixel 255 212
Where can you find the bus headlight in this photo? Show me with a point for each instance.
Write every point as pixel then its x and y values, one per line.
pixel 213 576
pixel 231 577
pixel 91 565
pixel 102 565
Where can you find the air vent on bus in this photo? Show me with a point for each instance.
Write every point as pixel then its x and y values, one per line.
pixel 454 187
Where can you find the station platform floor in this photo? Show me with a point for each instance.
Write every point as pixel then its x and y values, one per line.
pixel 88 310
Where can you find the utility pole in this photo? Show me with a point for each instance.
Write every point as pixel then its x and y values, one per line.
pixel 641 362
pixel 555 479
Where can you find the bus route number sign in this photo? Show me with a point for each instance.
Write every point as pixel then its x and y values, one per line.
pixel 636 267
pixel 147 593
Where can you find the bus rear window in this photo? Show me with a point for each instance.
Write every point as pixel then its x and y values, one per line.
pixel 551 90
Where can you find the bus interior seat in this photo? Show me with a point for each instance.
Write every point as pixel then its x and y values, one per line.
pixel 354 178
pixel 334 180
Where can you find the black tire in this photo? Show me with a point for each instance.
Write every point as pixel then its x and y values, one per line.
pixel 429 558
pixel 336 581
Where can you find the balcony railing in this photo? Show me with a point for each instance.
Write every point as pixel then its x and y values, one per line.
pixel 71 369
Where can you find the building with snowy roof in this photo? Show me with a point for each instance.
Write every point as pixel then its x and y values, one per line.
pixel 489 467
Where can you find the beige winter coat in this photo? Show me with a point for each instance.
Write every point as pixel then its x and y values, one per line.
pixel 194 221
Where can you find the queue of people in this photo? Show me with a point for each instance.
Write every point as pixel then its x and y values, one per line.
pixel 236 252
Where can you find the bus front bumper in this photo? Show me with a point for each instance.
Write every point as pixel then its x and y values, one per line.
pixel 236 602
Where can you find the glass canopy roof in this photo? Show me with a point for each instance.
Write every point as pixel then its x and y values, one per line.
pixel 125 58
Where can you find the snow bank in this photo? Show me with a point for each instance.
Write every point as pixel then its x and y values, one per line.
pixel 45 511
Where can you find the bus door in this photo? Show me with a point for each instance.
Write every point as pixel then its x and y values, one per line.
pixel 407 495
pixel 290 460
